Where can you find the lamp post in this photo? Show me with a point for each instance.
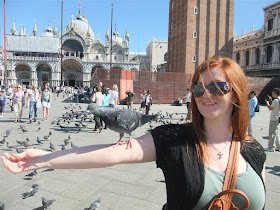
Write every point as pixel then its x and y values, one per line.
pixel 5 48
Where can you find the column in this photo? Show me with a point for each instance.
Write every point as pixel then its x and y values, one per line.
pixel 274 58
pixel 252 56
pixel 263 53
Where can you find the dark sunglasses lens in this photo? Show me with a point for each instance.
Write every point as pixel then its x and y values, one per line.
pixel 198 90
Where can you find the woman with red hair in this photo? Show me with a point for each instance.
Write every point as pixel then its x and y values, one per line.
pixel 193 156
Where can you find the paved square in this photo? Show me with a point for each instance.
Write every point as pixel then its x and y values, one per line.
pixel 125 187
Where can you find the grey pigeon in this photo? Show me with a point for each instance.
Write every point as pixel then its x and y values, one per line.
pixel 46 203
pixel 33 190
pixel 32 174
pixel 38 140
pixel 52 146
pixel 24 130
pixel 72 145
pixel 9 146
pixel 3 141
pixel 22 143
pixel 2 206
pixel 95 205
pixel 63 147
pixel 120 120
pixel 19 150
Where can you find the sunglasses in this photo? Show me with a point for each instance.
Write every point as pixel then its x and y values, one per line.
pixel 215 89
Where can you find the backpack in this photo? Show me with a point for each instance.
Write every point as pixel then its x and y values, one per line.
pixel 257 109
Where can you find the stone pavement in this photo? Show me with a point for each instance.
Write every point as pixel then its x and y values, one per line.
pixel 125 187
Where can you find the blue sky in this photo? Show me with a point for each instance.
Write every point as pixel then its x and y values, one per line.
pixel 143 18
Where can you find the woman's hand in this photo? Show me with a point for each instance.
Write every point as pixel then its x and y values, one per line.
pixel 28 160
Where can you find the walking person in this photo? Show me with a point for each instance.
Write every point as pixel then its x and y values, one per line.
pixel 273 131
pixel 114 96
pixel 143 101
pixel 2 103
pixel 10 91
pixel 46 101
pixel 32 98
pixel 194 157
pixel 130 95
pixel 98 98
pixel 188 97
pixel 253 102
pixel 148 102
pixel 18 99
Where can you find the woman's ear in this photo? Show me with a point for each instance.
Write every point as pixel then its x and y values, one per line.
pixel 234 98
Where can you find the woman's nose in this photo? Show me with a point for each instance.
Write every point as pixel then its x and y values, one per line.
pixel 207 93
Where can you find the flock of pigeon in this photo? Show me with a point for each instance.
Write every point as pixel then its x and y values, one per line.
pixel 118 120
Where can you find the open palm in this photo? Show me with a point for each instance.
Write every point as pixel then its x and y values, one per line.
pixel 28 160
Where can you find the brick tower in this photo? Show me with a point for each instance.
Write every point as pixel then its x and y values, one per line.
pixel 198 29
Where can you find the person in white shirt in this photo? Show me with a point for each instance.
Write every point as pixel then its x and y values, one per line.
pixel 188 101
pixel 98 98
pixel 273 130
pixel 32 98
pixel 114 96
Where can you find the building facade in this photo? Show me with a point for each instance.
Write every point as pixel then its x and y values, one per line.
pixel 156 50
pixel 33 59
pixel 258 52
pixel 198 30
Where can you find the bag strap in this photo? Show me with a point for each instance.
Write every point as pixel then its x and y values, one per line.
pixel 232 166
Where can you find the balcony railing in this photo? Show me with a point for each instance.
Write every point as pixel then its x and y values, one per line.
pixel 265 66
pixel 272 33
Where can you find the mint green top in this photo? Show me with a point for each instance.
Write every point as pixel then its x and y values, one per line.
pixel 248 182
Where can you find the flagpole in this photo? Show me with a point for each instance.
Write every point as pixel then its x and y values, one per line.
pixel 61 78
pixel 111 50
pixel 5 47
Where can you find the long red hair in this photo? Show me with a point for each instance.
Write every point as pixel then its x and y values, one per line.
pixel 240 115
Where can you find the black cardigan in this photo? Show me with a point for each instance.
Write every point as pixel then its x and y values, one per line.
pixel 184 175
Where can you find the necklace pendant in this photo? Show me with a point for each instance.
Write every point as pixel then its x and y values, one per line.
pixel 220 155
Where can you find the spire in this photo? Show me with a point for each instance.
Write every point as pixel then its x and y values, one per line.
pixel 107 34
pixel 13 30
pixel 35 32
pixel 253 28
pixel 127 34
pixel 243 31
pixel 24 33
pixel 79 16
pixel 97 36
pixel 55 29
pixel 21 31
pixel 116 33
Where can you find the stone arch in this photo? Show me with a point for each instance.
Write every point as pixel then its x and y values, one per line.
pixel 71 79
pixel 97 49
pixel 134 69
pixel 72 47
pixel 117 67
pixel 44 73
pixel 75 68
pixel 23 73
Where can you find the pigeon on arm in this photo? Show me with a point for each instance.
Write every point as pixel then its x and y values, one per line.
pixel 120 120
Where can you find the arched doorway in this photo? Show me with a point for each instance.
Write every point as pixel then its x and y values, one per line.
pixel 72 73
pixel 43 74
pixel 23 74
pixel 238 57
pixel 247 58
pixel 269 54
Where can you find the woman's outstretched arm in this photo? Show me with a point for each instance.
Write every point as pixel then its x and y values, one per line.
pixel 93 156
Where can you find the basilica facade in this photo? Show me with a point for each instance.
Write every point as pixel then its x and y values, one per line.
pixel 34 59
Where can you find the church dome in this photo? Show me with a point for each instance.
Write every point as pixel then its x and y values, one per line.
pixel 81 27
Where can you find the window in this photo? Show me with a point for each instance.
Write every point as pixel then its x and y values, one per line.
pixel 172 5
pixel 238 57
pixel 269 54
pixel 170 47
pixel 115 57
pixel 195 10
pixel 247 57
pixel 257 56
pixel 195 34
pixel 171 26
pixel 269 24
pixel 97 57
pixel 160 47
pixel 194 59
pixel 170 67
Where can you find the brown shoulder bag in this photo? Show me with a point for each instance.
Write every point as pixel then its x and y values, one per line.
pixel 223 200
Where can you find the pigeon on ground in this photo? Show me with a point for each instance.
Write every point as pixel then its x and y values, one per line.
pixel 32 174
pixel 52 146
pixel 3 140
pixel 9 146
pixel 24 130
pixel 50 133
pixel 72 145
pixel 33 190
pixel 38 140
pixel 95 205
pixel 46 203
pixel 120 120
pixel 2 206
pixel 19 150
pixel 63 147
pixel 22 143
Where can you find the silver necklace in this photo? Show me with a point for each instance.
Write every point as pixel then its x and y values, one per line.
pixel 220 154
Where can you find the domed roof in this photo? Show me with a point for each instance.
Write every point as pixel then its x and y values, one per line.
pixel 81 27
pixel 117 40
